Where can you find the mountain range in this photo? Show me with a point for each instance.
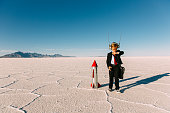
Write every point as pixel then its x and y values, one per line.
pixel 20 54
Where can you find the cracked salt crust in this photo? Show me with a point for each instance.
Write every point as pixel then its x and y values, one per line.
pixel 63 85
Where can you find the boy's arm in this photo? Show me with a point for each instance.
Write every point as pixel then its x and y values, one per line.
pixel 107 61
pixel 120 52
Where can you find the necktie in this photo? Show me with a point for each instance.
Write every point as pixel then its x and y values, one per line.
pixel 115 61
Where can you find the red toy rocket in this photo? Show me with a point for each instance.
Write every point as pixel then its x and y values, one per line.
pixel 95 83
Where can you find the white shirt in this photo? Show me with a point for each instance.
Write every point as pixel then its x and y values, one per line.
pixel 112 61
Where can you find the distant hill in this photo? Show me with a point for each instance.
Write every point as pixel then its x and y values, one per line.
pixel 20 54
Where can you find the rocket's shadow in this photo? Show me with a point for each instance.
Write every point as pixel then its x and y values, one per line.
pixel 103 85
pixel 144 81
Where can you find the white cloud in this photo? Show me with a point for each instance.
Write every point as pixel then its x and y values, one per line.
pixel 74 49
pixel 49 49
pixel 7 51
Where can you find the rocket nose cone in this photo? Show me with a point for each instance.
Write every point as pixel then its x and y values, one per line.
pixel 94 64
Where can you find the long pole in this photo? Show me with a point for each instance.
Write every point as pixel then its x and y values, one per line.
pixel 120 38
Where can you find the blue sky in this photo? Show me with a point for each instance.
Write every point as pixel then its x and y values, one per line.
pixel 80 27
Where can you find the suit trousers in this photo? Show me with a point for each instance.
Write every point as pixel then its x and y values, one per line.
pixel 114 74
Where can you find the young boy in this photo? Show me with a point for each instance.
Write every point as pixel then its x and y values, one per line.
pixel 113 63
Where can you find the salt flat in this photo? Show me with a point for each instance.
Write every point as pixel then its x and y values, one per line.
pixel 62 85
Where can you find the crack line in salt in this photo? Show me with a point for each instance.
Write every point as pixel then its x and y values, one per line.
pixel 6 77
pixel 155 102
pixel 31 101
pixel 13 107
pixel 10 84
pixel 59 80
pixel 78 84
pixel 32 92
pixel 17 89
pixel 38 88
pixel 107 96
pixel 32 78
pixel 156 91
pixel 107 99
pixel 150 105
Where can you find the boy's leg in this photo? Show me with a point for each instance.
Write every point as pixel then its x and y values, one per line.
pixel 116 73
pixel 110 79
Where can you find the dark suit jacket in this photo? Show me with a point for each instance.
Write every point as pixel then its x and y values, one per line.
pixel 117 58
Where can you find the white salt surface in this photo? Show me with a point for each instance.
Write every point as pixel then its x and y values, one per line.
pixel 62 85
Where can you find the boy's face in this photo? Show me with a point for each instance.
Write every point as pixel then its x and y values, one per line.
pixel 114 47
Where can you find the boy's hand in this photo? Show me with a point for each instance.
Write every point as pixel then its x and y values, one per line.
pixel 110 68
pixel 116 52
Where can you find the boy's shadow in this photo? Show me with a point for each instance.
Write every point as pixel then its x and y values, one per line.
pixel 103 85
pixel 144 81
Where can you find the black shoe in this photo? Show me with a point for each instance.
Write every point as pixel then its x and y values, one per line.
pixel 110 89
pixel 118 90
